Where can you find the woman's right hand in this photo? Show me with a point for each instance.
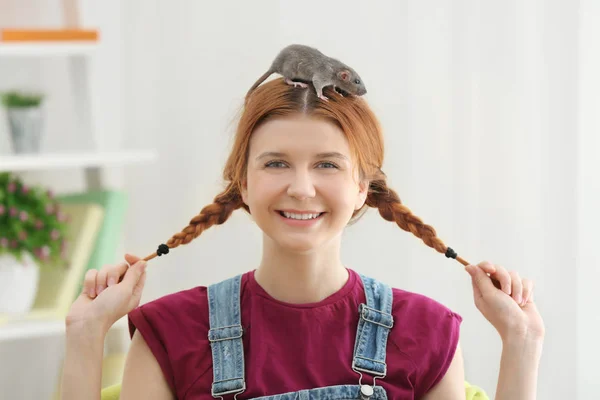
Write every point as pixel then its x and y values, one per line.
pixel 105 298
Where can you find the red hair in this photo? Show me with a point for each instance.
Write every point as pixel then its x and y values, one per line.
pixel 363 132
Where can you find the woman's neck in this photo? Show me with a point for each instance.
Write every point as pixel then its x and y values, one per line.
pixel 300 278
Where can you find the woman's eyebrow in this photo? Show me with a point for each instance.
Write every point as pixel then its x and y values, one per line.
pixel 329 154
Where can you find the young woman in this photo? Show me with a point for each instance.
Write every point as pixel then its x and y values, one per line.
pixel 302 324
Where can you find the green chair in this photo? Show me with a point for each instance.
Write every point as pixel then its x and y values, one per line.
pixel 473 392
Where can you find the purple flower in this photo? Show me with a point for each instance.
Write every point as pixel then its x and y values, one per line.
pixel 55 234
pixel 14 244
pixel 24 189
pixel 44 252
pixel 23 216
pixel 13 212
pixel 61 216
pixel 4 242
pixel 11 187
pixel 49 209
pixel 2 209
pixel 39 224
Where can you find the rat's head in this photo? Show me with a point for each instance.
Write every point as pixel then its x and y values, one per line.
pixel 349 81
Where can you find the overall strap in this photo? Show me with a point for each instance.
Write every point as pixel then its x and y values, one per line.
pixel 374 324
pixel 225 336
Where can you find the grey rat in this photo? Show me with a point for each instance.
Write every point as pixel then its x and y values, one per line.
pixel 300 64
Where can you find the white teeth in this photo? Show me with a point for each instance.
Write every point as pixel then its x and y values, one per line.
pixel 300 216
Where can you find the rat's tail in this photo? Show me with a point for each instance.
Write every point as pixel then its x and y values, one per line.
pixel 260 80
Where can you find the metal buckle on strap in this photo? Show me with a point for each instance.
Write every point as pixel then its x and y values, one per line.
pixel 363 310
pixel 236 391
pixel 226 338
pixel 376 374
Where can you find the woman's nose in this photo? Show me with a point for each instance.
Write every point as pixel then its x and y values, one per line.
pixel 301 185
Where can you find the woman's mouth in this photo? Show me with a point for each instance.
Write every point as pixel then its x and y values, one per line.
pixel 301 219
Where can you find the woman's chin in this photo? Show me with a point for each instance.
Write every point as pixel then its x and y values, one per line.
pixel 298 246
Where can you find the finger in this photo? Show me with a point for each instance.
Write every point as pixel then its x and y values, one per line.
pixel 527 291
pixel 133 274
pixel 89 283
pixel 131 259
pixel 487 267
pixel 517 286
pixel 115 273
pixel 503 277
pixel 481 280
pixel 476 291
pixel 101 279
pixel 490 268
pixel 139 287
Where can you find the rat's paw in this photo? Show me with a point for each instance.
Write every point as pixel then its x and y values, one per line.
pixel 296 84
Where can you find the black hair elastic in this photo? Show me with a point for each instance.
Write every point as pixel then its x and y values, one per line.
pixel 162 249
pixel 450 253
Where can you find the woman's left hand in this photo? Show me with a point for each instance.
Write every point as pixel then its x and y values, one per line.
pixel 511 309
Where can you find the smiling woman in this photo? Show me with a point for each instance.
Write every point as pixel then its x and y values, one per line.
pixel 305 169
pixel 303 324
pixel 288 167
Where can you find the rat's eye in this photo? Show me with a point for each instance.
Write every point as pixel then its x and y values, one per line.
pixel 357 81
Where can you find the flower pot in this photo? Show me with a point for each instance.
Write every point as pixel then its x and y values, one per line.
pixel 25 128
pixel 18 283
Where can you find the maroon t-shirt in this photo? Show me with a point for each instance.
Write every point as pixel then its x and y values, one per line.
pixel 289 347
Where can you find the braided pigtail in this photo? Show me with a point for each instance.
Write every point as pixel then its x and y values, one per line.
pixel 224 204
pixel 391 209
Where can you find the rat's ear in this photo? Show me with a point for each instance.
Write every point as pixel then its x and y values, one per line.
pixel 344 75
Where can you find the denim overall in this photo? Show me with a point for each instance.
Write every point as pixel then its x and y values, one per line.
pixel 225 336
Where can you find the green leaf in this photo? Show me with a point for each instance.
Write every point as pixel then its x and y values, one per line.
pixel 15 99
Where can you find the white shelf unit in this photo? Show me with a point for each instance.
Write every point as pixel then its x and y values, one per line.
pixel 85 78
pixel 16 330
pixel 81 55
pixel 23 330
pixel 40 341
pixel 38 49
pixel 51 161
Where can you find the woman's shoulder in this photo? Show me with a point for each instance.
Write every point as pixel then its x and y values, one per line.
pixel 424 319
pixel 421 308
pixel 414 308
pixel 427 332
pixel 183 310
pixel 174 311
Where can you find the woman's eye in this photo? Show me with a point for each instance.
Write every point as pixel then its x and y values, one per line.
pixel 269 164
pixel 328 163
pixel 275 164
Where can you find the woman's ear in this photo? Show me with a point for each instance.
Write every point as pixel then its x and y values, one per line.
pixel 244 191
pixel 363 192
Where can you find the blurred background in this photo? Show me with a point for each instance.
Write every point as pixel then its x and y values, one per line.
pixel 490 115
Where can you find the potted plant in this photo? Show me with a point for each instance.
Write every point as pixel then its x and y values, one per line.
pixel 32 233
pixel 25 119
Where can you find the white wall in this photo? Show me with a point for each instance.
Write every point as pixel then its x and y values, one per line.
pixel 588 190
pixel 484 106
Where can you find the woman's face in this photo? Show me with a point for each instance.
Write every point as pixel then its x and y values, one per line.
pixel 297 167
